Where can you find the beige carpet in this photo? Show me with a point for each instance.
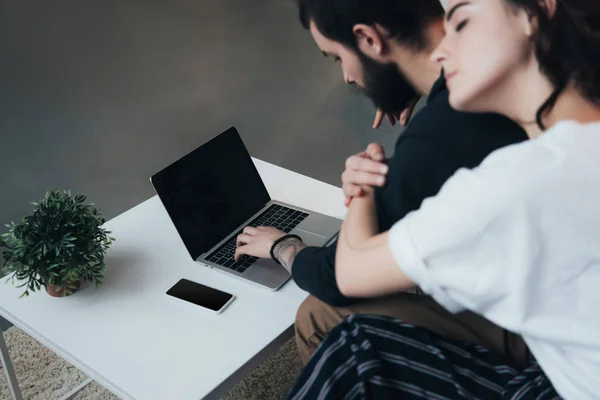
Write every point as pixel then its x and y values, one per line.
pixel 45 376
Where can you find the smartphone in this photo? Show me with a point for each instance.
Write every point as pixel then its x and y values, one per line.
pixel 206 297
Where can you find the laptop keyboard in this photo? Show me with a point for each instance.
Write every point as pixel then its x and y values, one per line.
pixel 283 218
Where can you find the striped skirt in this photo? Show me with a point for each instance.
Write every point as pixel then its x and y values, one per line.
pixel 373 357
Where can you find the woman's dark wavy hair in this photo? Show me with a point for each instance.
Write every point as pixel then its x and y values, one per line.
pixel 567 47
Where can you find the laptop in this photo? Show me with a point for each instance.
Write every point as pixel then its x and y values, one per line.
pixel 214 192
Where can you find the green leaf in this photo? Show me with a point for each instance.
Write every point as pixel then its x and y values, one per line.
pixel 62 239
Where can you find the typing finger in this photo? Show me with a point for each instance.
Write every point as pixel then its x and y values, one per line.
pixel 243 240
pixel 239 252
pixel 250 230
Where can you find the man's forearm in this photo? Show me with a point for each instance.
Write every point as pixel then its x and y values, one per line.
pixel 314 271
pixel 286 251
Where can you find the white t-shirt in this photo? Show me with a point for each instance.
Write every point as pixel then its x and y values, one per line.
pixel 517 240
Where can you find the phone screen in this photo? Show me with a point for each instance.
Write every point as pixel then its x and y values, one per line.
pixel 200 295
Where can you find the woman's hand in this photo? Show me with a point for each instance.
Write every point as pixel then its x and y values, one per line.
pixel 363 170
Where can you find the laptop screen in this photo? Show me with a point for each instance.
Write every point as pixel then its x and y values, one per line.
pixel 211 191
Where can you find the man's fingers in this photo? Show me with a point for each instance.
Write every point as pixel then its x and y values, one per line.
pixel 378 119
pixel 407 113
pixel 375 151
pixel 405 116
pixel 347 201
pixel 239 252
pixel 245 249
pixel 398 117
pixel 243 239
pixel 250 230
pixel 390 117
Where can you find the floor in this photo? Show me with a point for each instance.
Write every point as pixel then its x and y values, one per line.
pixel 45 376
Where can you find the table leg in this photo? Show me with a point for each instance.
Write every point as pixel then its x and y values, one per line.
pixel 13 384
pixel 79 388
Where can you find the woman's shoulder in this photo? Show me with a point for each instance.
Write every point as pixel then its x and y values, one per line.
pixel 564 140
pixel 572 130
pixel 566 150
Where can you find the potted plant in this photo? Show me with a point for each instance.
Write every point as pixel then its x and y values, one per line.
pixel 59 246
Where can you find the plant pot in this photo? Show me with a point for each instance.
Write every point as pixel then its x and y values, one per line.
pixel 56 291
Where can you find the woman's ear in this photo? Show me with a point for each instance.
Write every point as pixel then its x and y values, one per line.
pixel 368 40
pixel 532 24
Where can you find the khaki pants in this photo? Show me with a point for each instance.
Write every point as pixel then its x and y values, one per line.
pixel 316 319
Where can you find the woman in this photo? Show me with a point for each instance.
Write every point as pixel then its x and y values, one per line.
pixel 516 240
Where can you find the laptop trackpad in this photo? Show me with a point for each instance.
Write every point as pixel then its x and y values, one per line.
pixel 309 239
pixel 319 226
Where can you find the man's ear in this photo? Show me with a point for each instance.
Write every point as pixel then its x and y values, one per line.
pixel 550 7
pixel 369 40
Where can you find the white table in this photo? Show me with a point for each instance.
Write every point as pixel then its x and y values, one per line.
pixel 131 339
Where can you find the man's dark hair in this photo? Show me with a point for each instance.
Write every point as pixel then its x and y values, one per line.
pixel 405 20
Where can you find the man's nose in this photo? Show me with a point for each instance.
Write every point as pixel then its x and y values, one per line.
pixel 440 54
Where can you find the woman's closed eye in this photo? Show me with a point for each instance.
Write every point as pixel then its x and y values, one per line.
pixel 461 25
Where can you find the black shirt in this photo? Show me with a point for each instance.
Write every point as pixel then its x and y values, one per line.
pixel 437 142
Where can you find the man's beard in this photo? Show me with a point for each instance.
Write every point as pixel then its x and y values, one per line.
pixel 385 85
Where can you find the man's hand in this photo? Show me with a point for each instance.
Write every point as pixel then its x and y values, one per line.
pixel 390 117
pixel 257 242
pixel 364 169
pixel 402 117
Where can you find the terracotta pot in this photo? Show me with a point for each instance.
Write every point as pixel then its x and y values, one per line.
pixel 56 291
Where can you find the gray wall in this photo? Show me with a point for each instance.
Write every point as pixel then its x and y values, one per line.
pixel 96 96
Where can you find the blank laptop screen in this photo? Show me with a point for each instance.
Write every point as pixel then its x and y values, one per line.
pixel 211 191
